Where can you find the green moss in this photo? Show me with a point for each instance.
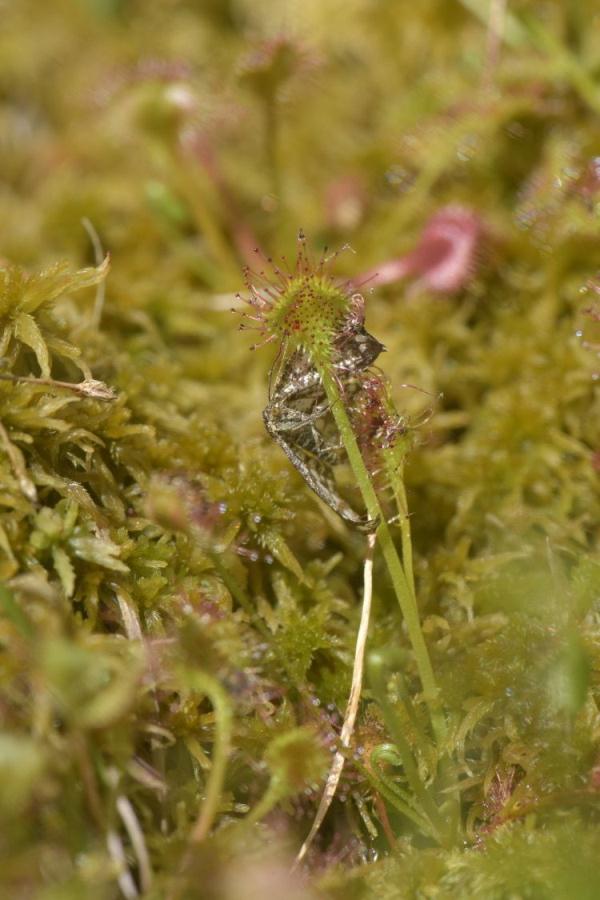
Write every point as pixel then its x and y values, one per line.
pixel 177 610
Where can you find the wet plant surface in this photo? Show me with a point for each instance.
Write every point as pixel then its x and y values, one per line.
pixel 179 599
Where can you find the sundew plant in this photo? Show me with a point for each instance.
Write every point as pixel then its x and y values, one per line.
pixel 301 601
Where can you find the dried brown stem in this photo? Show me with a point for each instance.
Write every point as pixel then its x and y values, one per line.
pixel 335 772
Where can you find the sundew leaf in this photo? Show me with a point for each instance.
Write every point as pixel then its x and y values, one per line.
pixel 295 759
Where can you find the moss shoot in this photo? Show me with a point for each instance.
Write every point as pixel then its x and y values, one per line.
pixel 178 610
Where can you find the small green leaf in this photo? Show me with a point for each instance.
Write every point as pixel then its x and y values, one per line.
pixel 47 286
pixel 274 542
pixel 28 332
pixel 101 551
pixel 64 570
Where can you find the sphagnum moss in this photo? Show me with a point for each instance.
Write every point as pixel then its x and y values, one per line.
pixel 157 550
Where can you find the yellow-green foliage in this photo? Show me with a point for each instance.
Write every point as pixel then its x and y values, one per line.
pixel 177 609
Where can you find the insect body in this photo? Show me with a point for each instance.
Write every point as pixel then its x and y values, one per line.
pixel 298 416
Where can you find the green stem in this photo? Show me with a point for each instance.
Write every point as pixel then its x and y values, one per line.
pixel 396 471
pixel 223 721
pixel 206 684
pixel 271 797
pixel 404 698
pixel 394 800
pixel 378 686
pixel 401 586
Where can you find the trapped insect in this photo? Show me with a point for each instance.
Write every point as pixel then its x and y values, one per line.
pixel 298 416
pixel 319 324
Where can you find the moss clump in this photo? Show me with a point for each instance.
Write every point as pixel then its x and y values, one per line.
pixel 177 611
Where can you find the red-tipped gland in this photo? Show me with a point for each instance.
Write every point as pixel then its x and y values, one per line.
pixel 303 307
pixel 377 424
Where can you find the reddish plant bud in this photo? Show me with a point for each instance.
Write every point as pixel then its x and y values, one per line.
pixel 443 260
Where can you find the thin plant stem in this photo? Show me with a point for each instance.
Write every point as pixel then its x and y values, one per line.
pixel 267 802
pixel 125 879
pixel 395 467
pixel 138 841
pixel 526 30
pixel 195 184
pixel 382 815
pixel 403 748
pixel 402 590
pixel 222 743
pixel 89 387
pixel 335 772
pixel 207 685
pixel 101 288
pixel 397 474
pixel 394 800
pixel 207 221
pixel 406 700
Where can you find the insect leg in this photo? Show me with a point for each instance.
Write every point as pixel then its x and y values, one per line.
pixel 316 476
